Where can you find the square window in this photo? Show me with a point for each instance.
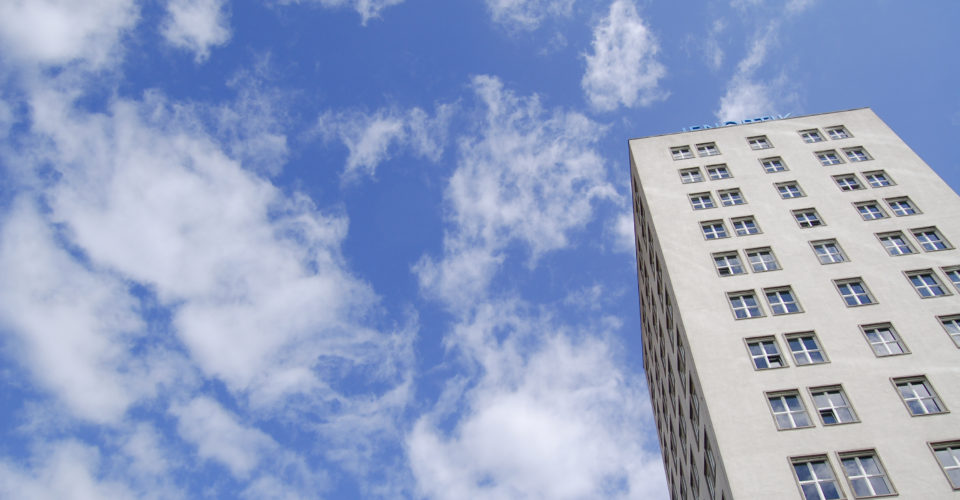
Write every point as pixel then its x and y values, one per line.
pixel 762 259
pixel 896 243
pixel 948 456
pixel 829 157
pixel 847 182
pixel 681 153
pixel 883 339
pixel 902 207
pixel 701 201
pixel 707 149
pixel 789 190
pixel 713 230
pixel 828 251
pixel 952 325
pixel 788 410
pixel 731 197
pixel 745 305
pixel 854 292
pixel 717 172
pixel 930 239
pixel 838 132
pixel 773 165
pixel 691 175
pixel 806 349
pixel 926 283
pixel 811 136
pixel 878 179
pixel 782 300
pixel 807 217
pixel 870 210
pixel 832 405
pixel 728 263
pixel 857 154
pixel 745 226
pixel 759 142
pixel 815 478
pixel 764 353
pixel 919 396
pixel 865 474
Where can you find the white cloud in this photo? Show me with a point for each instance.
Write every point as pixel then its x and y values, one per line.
pixel 56 32
pixel 548 417
pixel 527 176
pixel 368 9
pixel 624 235
pixel 196 25
pixel 220 437
pixel 63 470
pixel 712 49
pixel 527 14
pixel 374 138
pixel 623 70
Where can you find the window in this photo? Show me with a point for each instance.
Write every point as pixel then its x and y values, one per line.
pixel 707 149
pixel 902 206
pixel 805 348
pixel 895 243
pixel 789 190
pixel 811 136
pixel 828 158
pixel 832 405
pixel 815 478
pixel 953 274
pixel 847 182
pixel 878 179
pixel 731 197
pixel 762 259
pixel 717 172
pixel 870 210
pixel 745 226
pixel 772 165
pixel 828 251
pixel 759 142
pixel 919 396
pixel 691 175
pixel 854 292
pixel 764 353
pixel 788 410
pixel 713 230
pixel 807 217
pixel 883 339
pixel 930 239
pixel 701 201
pixel 745 305
pixel 948 455
pixel 681 153
pixel 857 154
pixel 728 264
pixel 866 474
pixel 838 132
pixel 952 325
pixel 926 283
pixel 782 300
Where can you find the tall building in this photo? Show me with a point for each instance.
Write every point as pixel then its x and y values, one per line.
pixel 800 294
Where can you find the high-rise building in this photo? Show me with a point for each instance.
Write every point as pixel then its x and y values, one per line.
pixel 800 294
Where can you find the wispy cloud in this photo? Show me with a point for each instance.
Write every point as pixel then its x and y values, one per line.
pixel 623 69
pixel 527 14
pixel 196 25
pixel 368 9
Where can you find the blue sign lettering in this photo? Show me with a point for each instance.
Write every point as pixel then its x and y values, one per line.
pixel 730 123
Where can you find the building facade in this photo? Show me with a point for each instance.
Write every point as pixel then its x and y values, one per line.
pixel 800 293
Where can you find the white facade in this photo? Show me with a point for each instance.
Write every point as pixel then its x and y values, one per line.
pixel 817 389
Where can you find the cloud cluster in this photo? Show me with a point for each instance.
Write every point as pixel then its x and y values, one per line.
pixel 623 69
pixel 196 25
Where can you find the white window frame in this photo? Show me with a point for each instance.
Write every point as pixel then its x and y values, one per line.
pixel 828 157
pixel 866 475
pixel 708 149
pixel 922 235
pixel 951 325
pixel 907 388
pixel 768 353
pixel 731 197
pixel 875 182
pixel 884 340
pixel 835 257
pixel 857 154
pixel 785 417
pixel 870 210
pixel 926 283
pixel 831 402
pixel 745 226
pixel 729 262
pixel 806 355
pixel 762 259
pixel 741 309
pixel 681 152
pixel 718 172
pixel 822 477
pixel 949 462
pixel 902 206
pixel 896 243
pixel 811 136
pixel 701 201
pixel 789 190
pixel 848 182
pixel 838 132
pixel 808 218
pixel 782 300
pixel 773 165
pixel 712 225
pixel 864 298
pixel 691 175
pixel 759 142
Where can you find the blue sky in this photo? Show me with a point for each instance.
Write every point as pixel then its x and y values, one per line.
pixel 374 248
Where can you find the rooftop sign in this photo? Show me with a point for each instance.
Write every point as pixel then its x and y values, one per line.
pixel 729 123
